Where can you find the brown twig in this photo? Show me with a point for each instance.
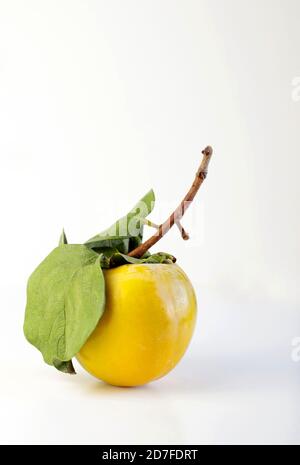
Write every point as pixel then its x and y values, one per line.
pixel 150 223
pixel 182 231
pixel 177 214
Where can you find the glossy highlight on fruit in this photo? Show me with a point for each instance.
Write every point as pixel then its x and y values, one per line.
pixel 146 326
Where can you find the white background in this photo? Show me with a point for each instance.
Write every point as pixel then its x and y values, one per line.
pixel 99 101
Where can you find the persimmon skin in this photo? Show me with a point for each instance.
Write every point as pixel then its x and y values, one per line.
pixel 146 327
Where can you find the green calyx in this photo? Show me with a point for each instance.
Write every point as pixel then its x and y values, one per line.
pixel 66 292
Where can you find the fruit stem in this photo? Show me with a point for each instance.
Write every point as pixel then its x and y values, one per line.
pixel 177 214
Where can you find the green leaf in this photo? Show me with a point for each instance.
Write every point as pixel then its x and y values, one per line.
pixel 63 238
pixel 160 257
pixel 65 367
pixel 52 323
pixel 127 232
pixel 105 256
pixel 84 306
pixel 118 259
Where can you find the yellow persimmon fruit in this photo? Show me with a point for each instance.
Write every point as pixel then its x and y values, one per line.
pixel 146 327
